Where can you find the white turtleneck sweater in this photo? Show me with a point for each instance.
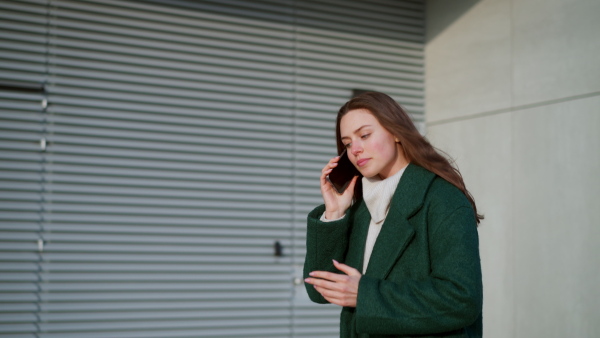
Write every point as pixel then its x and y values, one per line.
pixel 377 194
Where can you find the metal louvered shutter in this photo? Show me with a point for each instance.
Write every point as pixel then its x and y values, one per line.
pixel 184 139
pixel 170 164
pixel 23 32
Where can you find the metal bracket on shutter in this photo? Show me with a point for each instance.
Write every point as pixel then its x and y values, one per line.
pixel 278 248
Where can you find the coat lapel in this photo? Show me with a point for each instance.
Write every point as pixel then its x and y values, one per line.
pixel 397 232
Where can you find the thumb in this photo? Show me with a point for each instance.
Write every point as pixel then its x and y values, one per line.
pixel 350 271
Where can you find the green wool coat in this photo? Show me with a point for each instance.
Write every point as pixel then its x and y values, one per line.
pixel 424 275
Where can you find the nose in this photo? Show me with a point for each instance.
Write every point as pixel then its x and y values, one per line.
pixel 355 148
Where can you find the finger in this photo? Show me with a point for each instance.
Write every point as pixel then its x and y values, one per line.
pixel 336 298
pixel 323 285
pixel 328 168
pixel 330 276
pixel 323 177
pixel 331 164
pixel 350 271
pixel 331 296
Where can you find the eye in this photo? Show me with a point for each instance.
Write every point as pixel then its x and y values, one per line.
pixel 347 145
pixel 365 136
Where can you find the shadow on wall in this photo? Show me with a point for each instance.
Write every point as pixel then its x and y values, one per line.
pixel 452 11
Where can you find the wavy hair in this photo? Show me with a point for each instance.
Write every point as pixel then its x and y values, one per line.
pixel 417 148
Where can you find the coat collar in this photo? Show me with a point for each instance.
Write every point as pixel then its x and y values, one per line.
pixel 396 231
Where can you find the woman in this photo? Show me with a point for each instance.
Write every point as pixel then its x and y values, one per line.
pixel 400 254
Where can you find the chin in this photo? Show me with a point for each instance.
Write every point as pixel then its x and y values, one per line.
pixel 368 174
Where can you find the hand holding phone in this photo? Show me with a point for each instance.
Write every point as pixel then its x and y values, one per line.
pixel 342 174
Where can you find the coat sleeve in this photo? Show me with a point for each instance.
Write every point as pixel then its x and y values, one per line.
pixel 449 299
pixel 325 241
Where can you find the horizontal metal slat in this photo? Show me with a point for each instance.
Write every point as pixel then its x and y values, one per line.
pixel 166 305
pixel 18 283
pixel 198 146
pixel 307 76
pixel 183 262
pixel 16 217
pixel 178 35
pixel 196 59
pixel 172 330
pixel 172 268
pixel 17 330
pixel 171 220
pixel 358 82
pixel 22 59
pixel 154 276
pixel 15 318
pixel 223 240
pixel 415 37
pixel 204 178
pixel 100 329
pixel 341 18
pixel 199 288
pixel 103 193
pixel 266 10
pixel 189 121
pixel 235 103
pixel 24 5
pixel 147 103
pixel 130 296
pixel 201 179
pixel 344 62
pixel 175 74
pixel 193 12
pixel 73 130
pixel 360 68
pixel 99 89
pixel 199 315
pixel 357 44
pixel 205 155
pixel 19 35
pixel 157 203
pixel 20 163
pixel 99 210
pixel 387 12
pixel 151 82
pixel 406 8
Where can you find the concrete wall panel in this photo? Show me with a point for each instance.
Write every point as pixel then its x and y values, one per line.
pixel 556 48
pixel 468 63
pixel 556 166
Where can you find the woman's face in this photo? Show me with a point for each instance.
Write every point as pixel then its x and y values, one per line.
pixel 371 148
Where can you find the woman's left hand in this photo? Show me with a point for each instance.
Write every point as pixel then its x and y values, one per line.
pixel 339 289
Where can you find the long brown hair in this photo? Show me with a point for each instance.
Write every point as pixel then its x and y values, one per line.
pixel 417 148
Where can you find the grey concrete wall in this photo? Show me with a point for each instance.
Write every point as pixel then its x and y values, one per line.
pixel 513 94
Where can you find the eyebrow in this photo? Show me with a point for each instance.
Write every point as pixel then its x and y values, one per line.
pixel 357 130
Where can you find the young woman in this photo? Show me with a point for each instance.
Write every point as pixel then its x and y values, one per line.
pixel 400 251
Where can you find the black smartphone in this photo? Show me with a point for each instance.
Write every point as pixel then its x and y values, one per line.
pixel 343 173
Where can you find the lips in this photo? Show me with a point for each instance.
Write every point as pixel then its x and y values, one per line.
pixel 362 162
